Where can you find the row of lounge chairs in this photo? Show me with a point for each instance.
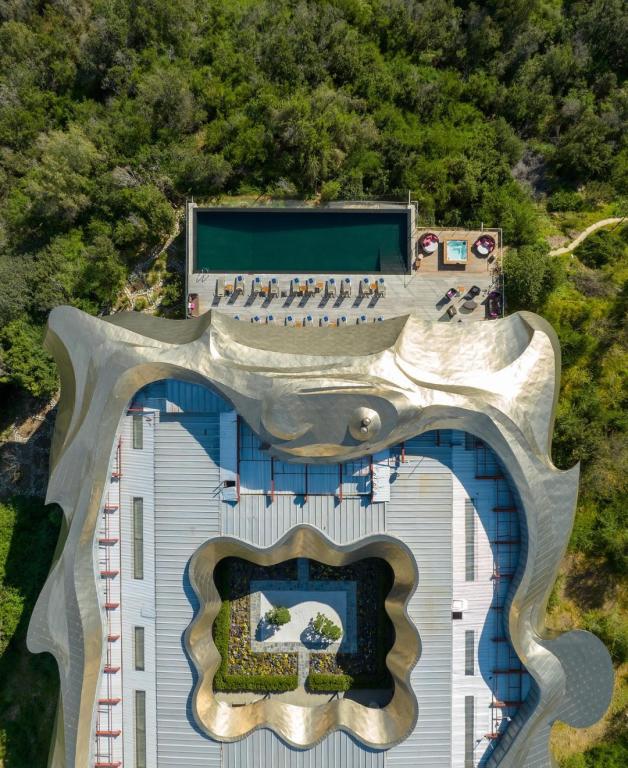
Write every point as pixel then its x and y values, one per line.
pixel 331 287
pixel 309 321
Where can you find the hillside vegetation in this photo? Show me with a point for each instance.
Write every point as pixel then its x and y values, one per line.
pixel 507 112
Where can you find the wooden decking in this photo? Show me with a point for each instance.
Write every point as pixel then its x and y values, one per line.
pixel 475 264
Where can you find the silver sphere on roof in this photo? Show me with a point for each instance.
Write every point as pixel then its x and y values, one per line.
pixel 364 424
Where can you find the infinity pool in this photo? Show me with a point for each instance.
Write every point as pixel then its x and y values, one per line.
pixel 297 240
pixel 456 252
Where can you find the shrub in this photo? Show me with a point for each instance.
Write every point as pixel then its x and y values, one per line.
pixel 612 630
pixel 23 359
pixel 257 683
pixel 574 761
pixel 330 191
pixel 326 628
pixel 278 616
pixel 319 682
pixel 527 276
pixel 610 755
pixel 600 248
pixel 223 680
pixel 565 200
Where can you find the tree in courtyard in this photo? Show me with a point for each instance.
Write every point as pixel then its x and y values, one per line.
pixel 278 616
pixel 326 628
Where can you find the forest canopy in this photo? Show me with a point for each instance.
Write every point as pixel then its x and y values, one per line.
pixel 111 113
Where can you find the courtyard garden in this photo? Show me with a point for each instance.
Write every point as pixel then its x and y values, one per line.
pixel 301 623
pixel 366 668
pixel 243 669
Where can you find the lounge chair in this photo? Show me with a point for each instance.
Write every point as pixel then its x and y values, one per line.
pixel 330 287
pixel 380 287
pixel 220 286
pixel 364 288
pixel 273 287
pixel 345 287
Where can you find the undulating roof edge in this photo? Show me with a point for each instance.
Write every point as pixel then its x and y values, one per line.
pixel 323 408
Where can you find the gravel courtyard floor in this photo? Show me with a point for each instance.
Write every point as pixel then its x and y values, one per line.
pixel 303 606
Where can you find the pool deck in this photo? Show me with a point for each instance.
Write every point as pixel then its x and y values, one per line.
pixel 421 293
pixel 435 264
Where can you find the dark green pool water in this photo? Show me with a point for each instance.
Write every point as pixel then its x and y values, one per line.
pixel 301 241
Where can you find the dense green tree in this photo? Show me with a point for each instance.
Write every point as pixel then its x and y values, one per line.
pixel 57 187
pixel 28 695
pixel 103 276
pixel 602 248
pixel 525 275
pixel 24 360
pixel 14 286
pixel 614 755
pixel 111 113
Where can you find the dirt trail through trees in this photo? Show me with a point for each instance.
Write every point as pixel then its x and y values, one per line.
pixel 585 233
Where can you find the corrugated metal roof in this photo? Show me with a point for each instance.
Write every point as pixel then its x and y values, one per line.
pixel 138 595
pixel 420 513
pixel 479 497
pixel 262 522
pixel 189 510
pixel 381 476
pixel 255 476
pixel 183 397
pixel 263 749
pixel 323 478
pixel 187 513
pixel 228 471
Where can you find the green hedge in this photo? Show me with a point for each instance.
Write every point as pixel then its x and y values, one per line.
pixel 223 681
pixel 380 678
pixel 326 682
pixel 321 682
pixel 222 625
pixel 258 683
